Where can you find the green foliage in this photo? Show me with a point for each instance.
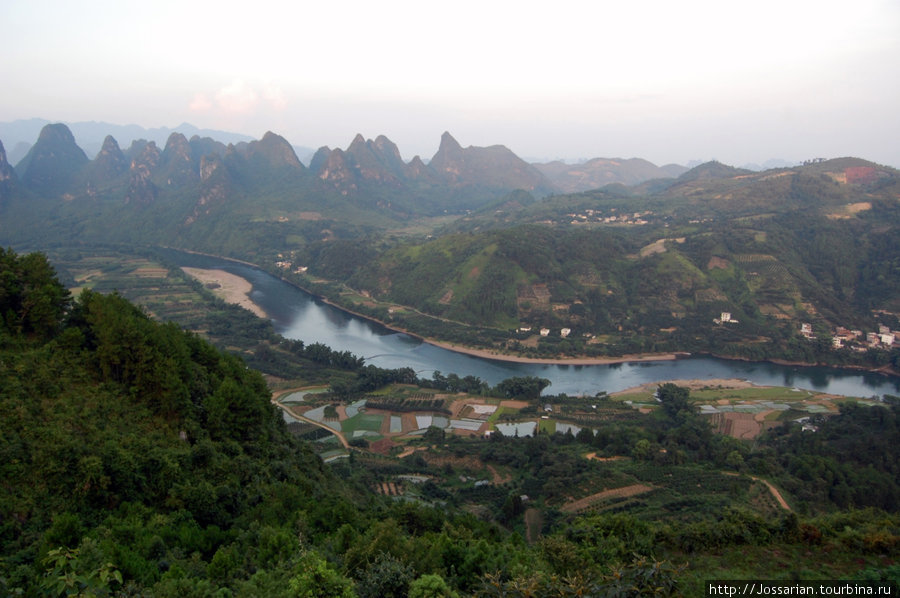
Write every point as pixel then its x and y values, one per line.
pixel 430 586
pixel 32 300
pixel 675 400
pixel 386 577
pixel 315 578
pixel 524 387
pixel 67 574
pixel 137 459
pixel 118 417
pixel 640 577
pixel 851 461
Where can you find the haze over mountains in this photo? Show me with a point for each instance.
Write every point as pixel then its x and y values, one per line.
pixel 481 249
pixel 56 162
pixel 18 137
pixel 558 176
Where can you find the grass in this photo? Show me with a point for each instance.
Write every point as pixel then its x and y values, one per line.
pixel 712 395
pixel 495 416
pixel 774 561
pixel 546 426
pixel 636 397
pixel 774 393
pixel 362 421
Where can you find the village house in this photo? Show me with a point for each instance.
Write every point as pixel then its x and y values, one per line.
pixel 725 318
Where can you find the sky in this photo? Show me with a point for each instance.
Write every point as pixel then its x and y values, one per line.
pixel 664 80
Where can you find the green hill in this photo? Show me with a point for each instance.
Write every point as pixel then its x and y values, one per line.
pixel 653 270
pixel 470 247
pixel 139 460
pixel 113 422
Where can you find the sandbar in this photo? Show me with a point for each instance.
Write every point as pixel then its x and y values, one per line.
pixel 231 288
pixel 498 356
pixel 696 384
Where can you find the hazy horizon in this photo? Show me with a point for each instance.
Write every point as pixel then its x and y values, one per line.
pixel 91 142
pixel 667 82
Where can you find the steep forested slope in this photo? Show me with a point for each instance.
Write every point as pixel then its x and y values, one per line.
pixel 131 442
pixel 136 459
pixel 653 269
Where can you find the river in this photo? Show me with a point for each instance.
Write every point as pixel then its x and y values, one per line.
pixel 297 315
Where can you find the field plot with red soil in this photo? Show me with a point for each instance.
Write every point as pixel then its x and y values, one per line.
pixel 389 488
pixel 581 504
pixel 744 426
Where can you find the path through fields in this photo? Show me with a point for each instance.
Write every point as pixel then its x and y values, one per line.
pixel 623 492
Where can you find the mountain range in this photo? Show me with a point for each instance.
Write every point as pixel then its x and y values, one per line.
pixel 91 137
pixel 19 135
pixel 371 172
pixel 478 237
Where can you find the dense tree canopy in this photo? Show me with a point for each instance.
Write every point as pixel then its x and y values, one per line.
pixel 137 459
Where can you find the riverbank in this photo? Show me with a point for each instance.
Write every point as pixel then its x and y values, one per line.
pixel 234 289
pixel 696 384
pixel 228 287
pixel 497 355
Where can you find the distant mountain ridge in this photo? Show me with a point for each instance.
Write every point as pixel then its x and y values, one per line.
pixel 371 171
pixel 53 161
pixel 479 236
pixel 91 135
pixel 199 178
pixel 599 172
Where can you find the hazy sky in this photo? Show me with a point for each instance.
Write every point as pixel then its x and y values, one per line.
pixel 669 81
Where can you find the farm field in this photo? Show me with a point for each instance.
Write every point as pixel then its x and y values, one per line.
pixel 440 439
pixel 739 409
pixel 373 418
pixel 167 294
pixel 462 466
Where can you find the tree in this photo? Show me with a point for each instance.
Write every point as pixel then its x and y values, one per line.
pixel 642 450
pixel 32 300
pixel 674 399
pixel 387 577
pixel 522 387
pixel 734 459
pixel 434 434
pixel 315 578
pixel 431 586
pixel 585 436
pixel 68 575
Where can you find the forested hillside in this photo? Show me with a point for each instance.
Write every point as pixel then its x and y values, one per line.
pixel 644 270
pixel 474 248
pixel 139 460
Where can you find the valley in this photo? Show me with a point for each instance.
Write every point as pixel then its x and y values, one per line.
pixel 196 448
pixel 476 248
pixel 638 474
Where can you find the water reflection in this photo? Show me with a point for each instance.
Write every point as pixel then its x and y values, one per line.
pixel 297 315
